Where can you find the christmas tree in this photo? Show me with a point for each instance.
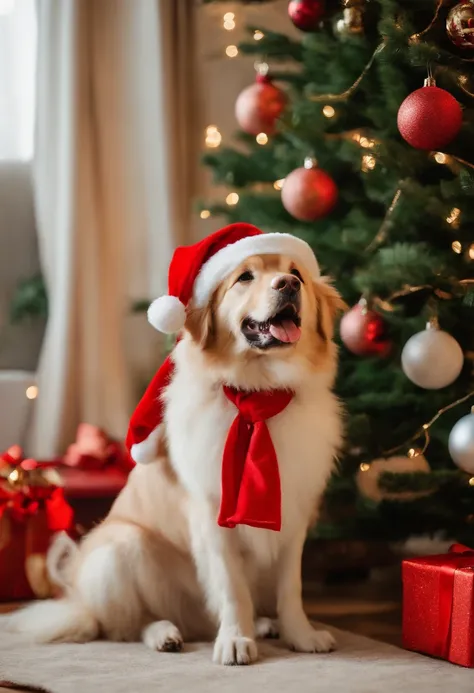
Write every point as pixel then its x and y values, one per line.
pixel 359 138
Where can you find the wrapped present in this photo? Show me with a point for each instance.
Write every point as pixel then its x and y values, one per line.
pixel 32 510
pixel 438 605
pixel 94 467
pixel 94 450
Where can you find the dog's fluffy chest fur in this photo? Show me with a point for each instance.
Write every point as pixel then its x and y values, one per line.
pixel 305 436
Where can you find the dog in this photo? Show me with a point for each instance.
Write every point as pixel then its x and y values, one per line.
pixel 160 568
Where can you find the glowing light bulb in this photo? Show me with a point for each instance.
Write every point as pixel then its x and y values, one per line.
pixel 232 199
pixel 470 252
pixel 329 111
pixel 229 21
pixel 278 184
pixel 453 216
pixel 14 476
pixel 32 392
pixel 364 467
pixel 258 35
pixel 471 481
pixel 262 138
pixel 232 51
pixel 205 214
pixel 368 163
pixel 213 137
pixel 457 247
pixel 366 142
pixel 440 158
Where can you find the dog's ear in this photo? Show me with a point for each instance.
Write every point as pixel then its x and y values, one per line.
pixel 329 303
pixel 200 325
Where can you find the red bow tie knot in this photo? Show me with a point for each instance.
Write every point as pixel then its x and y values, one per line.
pixel 251 493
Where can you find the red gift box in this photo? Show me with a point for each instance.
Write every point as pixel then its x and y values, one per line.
pixel 438 605
pixel 94 466
pixel 32 510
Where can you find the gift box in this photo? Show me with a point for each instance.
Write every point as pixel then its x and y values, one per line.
pixel 32 510
pixel 93 471
pixel 438 605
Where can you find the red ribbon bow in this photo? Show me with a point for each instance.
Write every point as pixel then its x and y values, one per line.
pixel 26 499
pixel 251 493
pixel 459 557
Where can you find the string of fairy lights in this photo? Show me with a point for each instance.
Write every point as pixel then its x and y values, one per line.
pixel 213 136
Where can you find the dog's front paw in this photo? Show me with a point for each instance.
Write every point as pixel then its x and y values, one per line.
pixel 308 639
pixel 232 649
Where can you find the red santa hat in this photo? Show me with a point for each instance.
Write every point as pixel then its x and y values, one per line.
pixel 197 270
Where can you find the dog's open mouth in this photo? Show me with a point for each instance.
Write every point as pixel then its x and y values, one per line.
pixel 281 329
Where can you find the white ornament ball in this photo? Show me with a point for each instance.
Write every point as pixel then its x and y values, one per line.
pixel 368 477
pixel 432 359
pixel 461 443
pixel 167 314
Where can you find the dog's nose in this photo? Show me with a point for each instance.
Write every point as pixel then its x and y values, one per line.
pixel 286 283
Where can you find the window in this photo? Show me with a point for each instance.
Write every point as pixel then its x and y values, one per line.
pixel 18 30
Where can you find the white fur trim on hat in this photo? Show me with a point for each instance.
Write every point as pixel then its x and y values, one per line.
pixel 220 265
pixel 167 314
pixel 146 451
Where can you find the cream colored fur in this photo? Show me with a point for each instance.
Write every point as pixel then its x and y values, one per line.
pixel 159 567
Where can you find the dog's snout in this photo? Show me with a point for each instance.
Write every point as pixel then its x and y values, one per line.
pixel 286 283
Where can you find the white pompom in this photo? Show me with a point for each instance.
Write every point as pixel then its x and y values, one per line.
pixel 167 314
pixel 146 451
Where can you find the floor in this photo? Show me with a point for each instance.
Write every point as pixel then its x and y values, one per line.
pixel 371 608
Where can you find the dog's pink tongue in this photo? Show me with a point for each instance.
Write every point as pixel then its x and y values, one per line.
pixel 286 331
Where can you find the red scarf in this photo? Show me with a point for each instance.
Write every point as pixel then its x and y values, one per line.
pixel 251 493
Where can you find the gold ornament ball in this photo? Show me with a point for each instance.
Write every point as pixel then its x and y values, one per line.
pixel 351 22
pixel 460 25
pixel 368 477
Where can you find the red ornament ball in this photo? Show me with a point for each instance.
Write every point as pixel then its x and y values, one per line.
pixel 309 194
pixel 306 14
pixel 460 25
pixel 429 118
pixel 364 332
pixel 258 107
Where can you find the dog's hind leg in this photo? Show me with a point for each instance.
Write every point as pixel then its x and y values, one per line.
pixel 162 636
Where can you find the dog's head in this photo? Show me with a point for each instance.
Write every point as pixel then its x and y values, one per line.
pixel 268 308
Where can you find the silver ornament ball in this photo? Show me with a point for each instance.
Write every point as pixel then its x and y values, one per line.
pixel 461 443
pixel 432 359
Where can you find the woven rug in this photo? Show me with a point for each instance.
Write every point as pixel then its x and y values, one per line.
pixel 359 665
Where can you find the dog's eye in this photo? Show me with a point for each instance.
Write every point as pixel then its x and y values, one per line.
pixel 245 277
pixel 297 273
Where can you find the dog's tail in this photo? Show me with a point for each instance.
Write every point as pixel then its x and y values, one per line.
pixel 56 620
pixel 60 557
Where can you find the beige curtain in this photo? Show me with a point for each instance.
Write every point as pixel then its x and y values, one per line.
pixel 114 170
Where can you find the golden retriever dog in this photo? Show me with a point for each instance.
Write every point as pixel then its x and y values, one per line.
pixel 159 568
